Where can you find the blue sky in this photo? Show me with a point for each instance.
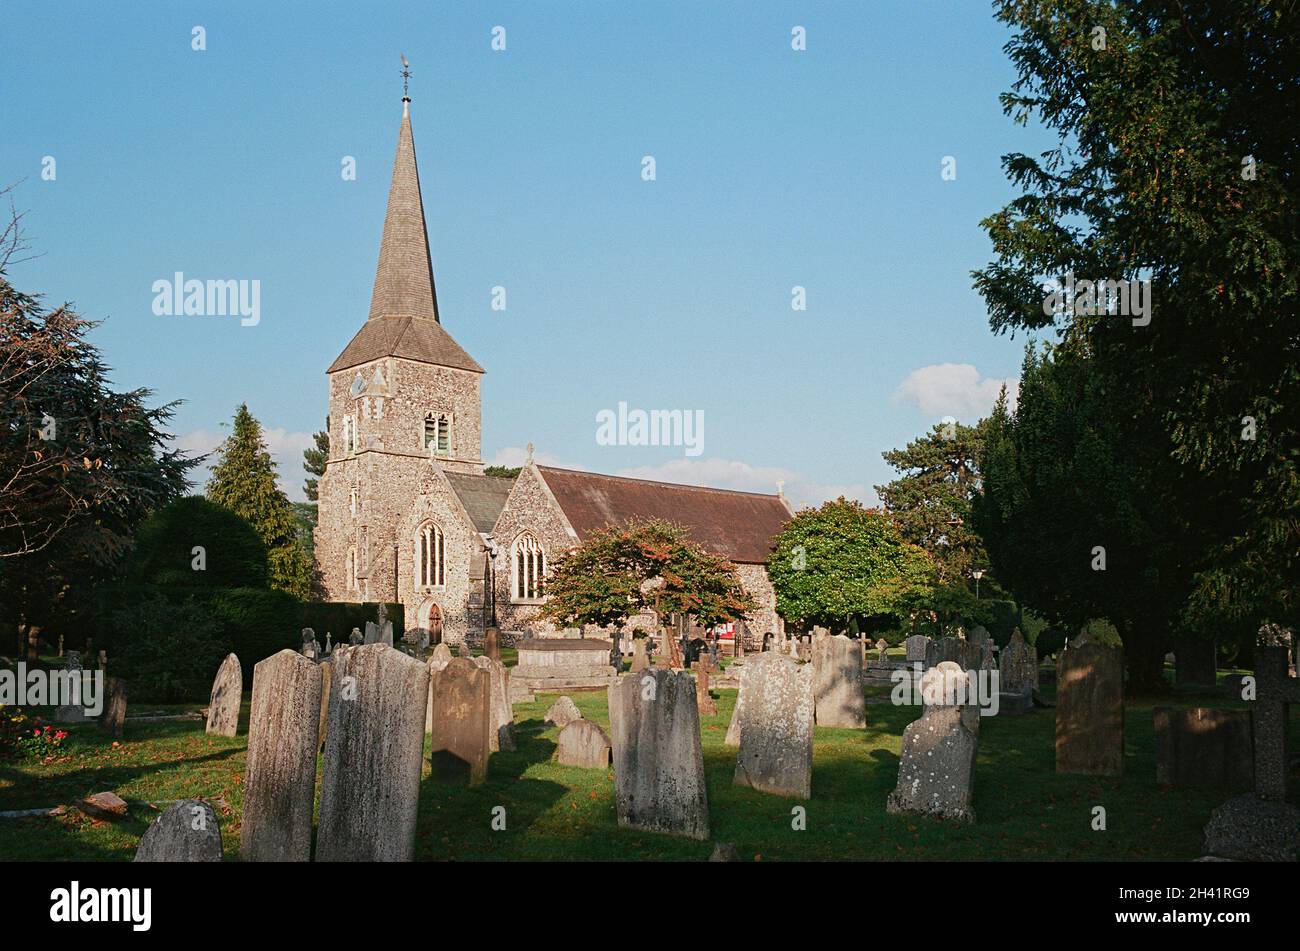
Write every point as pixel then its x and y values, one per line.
pixel 774 168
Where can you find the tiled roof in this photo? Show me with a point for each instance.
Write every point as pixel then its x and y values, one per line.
pixel 483 496
pixel 737 525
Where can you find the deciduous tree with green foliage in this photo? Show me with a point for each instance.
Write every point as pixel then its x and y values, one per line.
pixel 642 565
pixel 843 563
pixel 243 480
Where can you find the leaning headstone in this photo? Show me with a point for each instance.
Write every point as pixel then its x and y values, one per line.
pixel 227 689
pixel 583 743
pixel 563 712
pixel 503 716
pixel 776 735
pixel 1090 710
pixel 370 789
pixel 113 717
pixel 462 722
pixel 1202 748
pixel 963 653
pixel 187 831
pixel 837 683
pixel 936 772
pixel 658 761
pixel 640 659
pixel 280 777
pixel 916 645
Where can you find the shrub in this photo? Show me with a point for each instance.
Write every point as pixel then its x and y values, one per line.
pixel 172 651
pixel 164 548
pixel 340 617
pixel 256 622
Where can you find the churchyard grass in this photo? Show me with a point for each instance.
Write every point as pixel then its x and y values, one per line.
pixel 553 812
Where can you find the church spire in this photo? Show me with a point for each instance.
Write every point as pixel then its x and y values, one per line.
pixel 404 278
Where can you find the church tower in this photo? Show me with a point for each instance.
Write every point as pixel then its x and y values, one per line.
pixel 404 408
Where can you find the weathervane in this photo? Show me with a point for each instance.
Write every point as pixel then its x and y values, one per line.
pixel 406 78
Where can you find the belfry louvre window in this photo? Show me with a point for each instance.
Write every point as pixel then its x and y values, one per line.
pixel 430 555
pixel 437 433
pixel 528 568
pixel 352 569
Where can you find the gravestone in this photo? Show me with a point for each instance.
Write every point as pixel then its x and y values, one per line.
pixel 583 743
pixel 882 651
pixel 280 776
pixel 979 636
pixel 372 633
pixel 776 734
pixel 1201 748
pixel 837 683
pixel 441 653
pixel 227 689
pixel 658 761
pixel 1275 691
pixel 640 659
pixel 936 773
pixel 326 672
pixel 462 723
pixel 737 713
pixel 1018 664
pixel 113 717
pixel 501 732
pixel 1090 710
pixel 310 646
pixel 563 712
pixel 356 638
pixel 704 701
pixel 435 664
pixel 1249 829
pixel 370 789
pixel 916 645
pixel 492 643
pixel 74 712
pixel 386 633
pixel 187 831
pixel 946 684
pixel 963 653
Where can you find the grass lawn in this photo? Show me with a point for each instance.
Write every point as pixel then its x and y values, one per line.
pixel 553 812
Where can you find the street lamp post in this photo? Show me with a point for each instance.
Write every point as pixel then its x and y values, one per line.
pixel 977 574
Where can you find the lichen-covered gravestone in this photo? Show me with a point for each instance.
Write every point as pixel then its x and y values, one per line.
pixel 658 762
pixel 1018 665
pixel 227 690
pixel 462 722
pixel 936 773
pixel 186 832
pixel 370 789
pixel 837 688
pixel 283 739
pixel 1090 710
pixel 964 654
pixel 563 712
pixel 640 659
pixel 583 743
pixel 113 717
pixel 776 734
pixel 916 645
pixel 503 715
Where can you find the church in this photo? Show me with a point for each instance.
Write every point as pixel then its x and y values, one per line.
pixel 407 514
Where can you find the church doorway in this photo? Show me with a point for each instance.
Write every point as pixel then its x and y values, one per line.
pixel 431 621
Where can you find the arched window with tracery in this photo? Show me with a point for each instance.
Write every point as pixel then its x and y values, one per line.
pixel 528 567
pixel 430 556
pixel 437 433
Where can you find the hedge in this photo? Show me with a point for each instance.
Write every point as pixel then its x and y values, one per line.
pixel 340 617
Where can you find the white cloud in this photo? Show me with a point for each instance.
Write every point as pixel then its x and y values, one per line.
pixel 954 389
pixel 741 476
pixel 286 450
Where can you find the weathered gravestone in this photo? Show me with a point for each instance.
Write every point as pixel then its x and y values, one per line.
pixel 492 643
pixel 1017 676
pixel 704 701
pixel 186 832
pixel 227 689
pixel 737 712
pixel 501 733
pixel 370 789
pixel 563 712
pixel 964 654
pixel 1275 690
pixel 936 773
pixel 441 653
pixel 1249 829
pixel 776 733
pixel 326 673
pixel 1090 710
pixel 283 739
pixel 658 762
pixel 356 638
pixel 583 743
pixel 113 716
pixel 1202 748
pixel 640 659
pixel 837 682
pixel 462 723
pixel 916 645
